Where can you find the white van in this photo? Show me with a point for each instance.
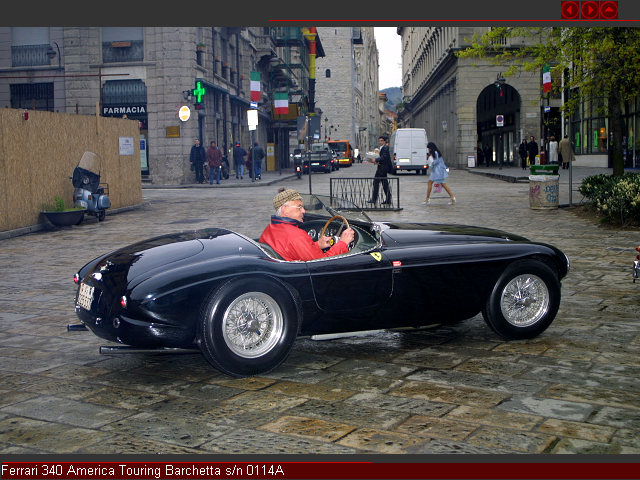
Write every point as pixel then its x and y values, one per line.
pixel 409 150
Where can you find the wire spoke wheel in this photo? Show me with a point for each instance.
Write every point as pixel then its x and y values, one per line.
pixel 252 324
pixel 525 300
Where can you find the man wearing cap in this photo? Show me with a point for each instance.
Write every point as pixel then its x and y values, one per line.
pixel 291 242
pixel 238 159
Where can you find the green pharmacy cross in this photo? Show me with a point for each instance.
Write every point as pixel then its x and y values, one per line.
pixel 199 91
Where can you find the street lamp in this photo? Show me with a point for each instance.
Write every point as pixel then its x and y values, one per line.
pixel 52 53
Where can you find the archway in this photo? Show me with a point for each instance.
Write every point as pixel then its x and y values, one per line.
pixel 498 121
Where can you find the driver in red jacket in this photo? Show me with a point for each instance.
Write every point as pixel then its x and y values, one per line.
pixel 291 242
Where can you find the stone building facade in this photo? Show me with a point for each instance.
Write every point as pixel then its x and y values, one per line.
pixel 464 104
pixel 148 73
pixel 347 85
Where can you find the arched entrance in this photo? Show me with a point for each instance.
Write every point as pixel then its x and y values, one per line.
pixel 498 120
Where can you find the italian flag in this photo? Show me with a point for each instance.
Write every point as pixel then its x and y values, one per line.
pixel 281 103
pixel 546 78
pixel 255 86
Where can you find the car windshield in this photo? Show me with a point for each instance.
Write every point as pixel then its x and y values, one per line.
pixel 326 206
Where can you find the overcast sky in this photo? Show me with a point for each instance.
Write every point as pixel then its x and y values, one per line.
pixel 390 59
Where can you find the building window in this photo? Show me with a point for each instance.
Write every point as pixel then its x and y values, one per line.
pixel 29 46
pixel 124 92
pixel 327 73
pixel 122 44
pixel 34 96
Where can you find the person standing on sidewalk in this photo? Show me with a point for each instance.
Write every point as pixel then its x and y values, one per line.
pixel 532 148
pixel 197 157
pixel 522 150
pixel 438 173
pixel 258 155
pixel 214 158
pixel 238 159
pixel 552 149
pixel 564 147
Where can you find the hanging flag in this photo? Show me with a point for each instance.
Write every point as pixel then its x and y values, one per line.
pixel 281 103
pixel 546 78
pixel 255 86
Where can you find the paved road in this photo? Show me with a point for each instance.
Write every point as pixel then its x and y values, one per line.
pixel 459 389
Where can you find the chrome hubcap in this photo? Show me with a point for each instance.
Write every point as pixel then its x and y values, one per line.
pixel 524 300
pixel 252 324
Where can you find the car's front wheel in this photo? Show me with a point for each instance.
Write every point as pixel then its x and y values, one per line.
pixel 248 326
pixel 524 301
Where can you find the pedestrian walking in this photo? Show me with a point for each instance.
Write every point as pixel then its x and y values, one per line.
pixel 258 155
pixel 438 173
pixel 552 151
pixel 197 157
pixel 488 154
pixel 566 152
pixel 383 162
pixel 532 149
pixel 214 159
pixel 238 159
pixel 522 150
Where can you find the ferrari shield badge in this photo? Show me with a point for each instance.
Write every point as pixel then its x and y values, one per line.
pixel 376 255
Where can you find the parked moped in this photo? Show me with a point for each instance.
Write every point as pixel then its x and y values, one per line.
pixel 88 192
pixel 636 266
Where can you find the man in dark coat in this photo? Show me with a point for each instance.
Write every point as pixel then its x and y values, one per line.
pixel 522 150
pixel 257 155
pixel 197 157
pixel 384 167
pixel 532 148
pixel 238 159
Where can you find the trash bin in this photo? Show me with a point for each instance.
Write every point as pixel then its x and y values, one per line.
pixel 544 191
pixel 550 169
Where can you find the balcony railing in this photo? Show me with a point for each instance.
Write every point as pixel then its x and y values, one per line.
pixel 29 55
pixel 124 51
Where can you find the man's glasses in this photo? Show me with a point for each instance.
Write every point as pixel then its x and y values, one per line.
pixel 295 206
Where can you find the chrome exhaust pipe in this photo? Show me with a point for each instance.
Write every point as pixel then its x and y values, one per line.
pixel 128 349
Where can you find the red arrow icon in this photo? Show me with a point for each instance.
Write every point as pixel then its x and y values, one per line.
pixel 609 10
pixel 589 10
pixel 569 10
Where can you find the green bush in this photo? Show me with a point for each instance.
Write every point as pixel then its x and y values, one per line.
pixel 58 205
pixel 617 199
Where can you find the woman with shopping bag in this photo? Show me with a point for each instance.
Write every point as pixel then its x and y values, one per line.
pixel 438 174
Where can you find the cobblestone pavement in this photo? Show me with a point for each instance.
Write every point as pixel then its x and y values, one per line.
pixel 461 389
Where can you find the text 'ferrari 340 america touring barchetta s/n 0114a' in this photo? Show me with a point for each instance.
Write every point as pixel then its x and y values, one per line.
pixel 243 306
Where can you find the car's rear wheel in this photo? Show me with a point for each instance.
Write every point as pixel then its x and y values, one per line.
pixel 248 326
pixel 524 301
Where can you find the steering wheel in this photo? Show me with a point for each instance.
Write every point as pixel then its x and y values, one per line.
pixel 336 237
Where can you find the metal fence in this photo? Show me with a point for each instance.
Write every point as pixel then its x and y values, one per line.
pixel 359 190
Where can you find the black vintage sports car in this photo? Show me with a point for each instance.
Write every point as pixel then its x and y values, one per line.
pixel 243 306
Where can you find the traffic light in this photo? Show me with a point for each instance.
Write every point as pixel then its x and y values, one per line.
pixel 198 93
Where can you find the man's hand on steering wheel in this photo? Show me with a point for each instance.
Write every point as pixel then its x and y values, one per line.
pixel 347 236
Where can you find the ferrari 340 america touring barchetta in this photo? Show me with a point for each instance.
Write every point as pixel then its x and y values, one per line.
pixel 242 306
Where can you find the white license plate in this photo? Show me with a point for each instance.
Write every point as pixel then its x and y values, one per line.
pixel 315 163
pixel 85 296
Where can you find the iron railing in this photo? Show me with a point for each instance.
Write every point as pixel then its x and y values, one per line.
pixel 359 190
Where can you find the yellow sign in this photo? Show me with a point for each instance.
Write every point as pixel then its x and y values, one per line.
pixel 376 255
pixel 184 113
pixel 173 132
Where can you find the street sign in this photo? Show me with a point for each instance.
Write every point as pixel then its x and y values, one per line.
pixel 547 109
pixel 499 120
pixel 252 119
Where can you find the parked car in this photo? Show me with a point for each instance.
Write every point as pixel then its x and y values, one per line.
pixel 242 306
pixel 408 148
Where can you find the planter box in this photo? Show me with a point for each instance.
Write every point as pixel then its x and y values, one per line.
pixel 65 219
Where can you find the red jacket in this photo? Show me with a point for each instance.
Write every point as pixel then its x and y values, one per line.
pixel 292 243
pixel 214 157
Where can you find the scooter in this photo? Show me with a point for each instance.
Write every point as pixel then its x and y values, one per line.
pixel 298 169
pixel 636 266
pixel 88 192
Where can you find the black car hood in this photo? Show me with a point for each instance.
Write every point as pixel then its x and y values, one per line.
pixel 420 233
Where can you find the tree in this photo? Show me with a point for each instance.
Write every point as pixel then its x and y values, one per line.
pixel 600 65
